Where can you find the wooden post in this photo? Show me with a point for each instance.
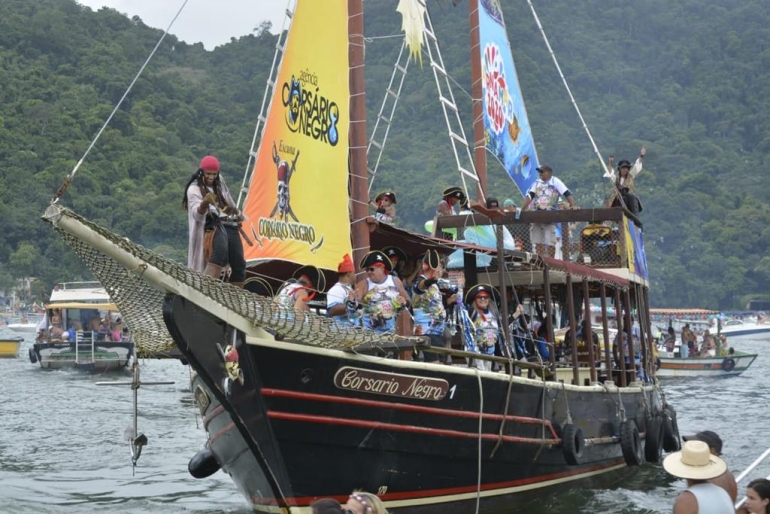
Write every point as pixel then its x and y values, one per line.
pixel 621 346
pixel 479 147
pixel 549 335
pixel 588 333
pixel 572 330
pixel 606 331
pixel 629 327
pixel 357 137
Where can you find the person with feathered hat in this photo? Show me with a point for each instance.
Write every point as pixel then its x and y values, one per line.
pixel 341 298
pixel 385 205
pixel 486 323
pixel 382 295
pixel 296 292
pixel 427 301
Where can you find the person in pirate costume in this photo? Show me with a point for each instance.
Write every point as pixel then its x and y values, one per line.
pixel 624 184
pixel 341 298
pixel 296 292
pixel 428 304
pixel 453 200
pixel 385 205
pixel 487 329
pixel 213 223
pixel 397 259
pixel 382 295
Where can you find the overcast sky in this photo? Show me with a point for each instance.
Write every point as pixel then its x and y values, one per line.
pixel 212 22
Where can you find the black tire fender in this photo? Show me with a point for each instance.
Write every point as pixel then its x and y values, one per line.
pixel 572 444
pixel 653 439
pixel 631 443
pixel 32 356
pixel 203 464
pixel 671 439
pixel 728 365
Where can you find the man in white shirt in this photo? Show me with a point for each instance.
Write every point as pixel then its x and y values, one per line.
pixel 341 293
pixel 697 465
pixel 544 195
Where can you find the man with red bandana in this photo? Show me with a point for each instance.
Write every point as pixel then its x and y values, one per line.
pixel 214 238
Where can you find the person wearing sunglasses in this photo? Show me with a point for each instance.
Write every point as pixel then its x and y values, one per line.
pixel 481 301
pixel 382 295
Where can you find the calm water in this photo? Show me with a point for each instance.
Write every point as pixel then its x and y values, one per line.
pixel 62 448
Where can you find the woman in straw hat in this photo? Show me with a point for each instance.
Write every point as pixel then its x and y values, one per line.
pixel 697 465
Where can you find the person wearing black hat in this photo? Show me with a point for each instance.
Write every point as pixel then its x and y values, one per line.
pixel 487 328
pixel 451 197
pixel 623 193
pixel 385 205
pixel 544 196
pixel 381 294
pixel 429 310
pixel 397 259
pixel 727 480
pixel 214 230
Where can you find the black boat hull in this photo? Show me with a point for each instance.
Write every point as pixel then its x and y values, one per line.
pixel 307 422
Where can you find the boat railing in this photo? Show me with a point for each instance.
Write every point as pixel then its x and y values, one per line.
pixel 597 238
pixel 748 470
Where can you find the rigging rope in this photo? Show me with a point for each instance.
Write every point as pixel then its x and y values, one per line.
pixel 68 180
pixel 569 91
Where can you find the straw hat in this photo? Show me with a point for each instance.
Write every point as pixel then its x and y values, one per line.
pixel 695 462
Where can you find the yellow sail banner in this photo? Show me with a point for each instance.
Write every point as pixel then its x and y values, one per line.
pixel 297 205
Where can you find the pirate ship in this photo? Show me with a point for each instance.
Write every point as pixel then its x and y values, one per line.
pixel 426 437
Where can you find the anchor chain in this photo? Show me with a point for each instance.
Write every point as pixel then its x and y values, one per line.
pixel 136 440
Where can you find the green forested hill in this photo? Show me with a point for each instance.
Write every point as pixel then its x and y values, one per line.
pixel 688 79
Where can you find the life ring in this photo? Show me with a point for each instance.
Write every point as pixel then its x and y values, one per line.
pixel 631 443
pixel 728 365
pixel 653 439
pixel 671 440
pixel 572 444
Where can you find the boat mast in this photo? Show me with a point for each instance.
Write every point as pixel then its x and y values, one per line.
pixel 359 191
pixel 479 148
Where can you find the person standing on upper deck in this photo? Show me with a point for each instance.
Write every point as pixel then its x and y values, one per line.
pixel 544 195
pixel 624 184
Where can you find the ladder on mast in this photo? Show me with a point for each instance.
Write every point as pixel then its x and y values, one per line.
pixel 264 112
pixel 389 103
pixel 462 151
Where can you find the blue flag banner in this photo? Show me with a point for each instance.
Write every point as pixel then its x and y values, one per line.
pixel 506 127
